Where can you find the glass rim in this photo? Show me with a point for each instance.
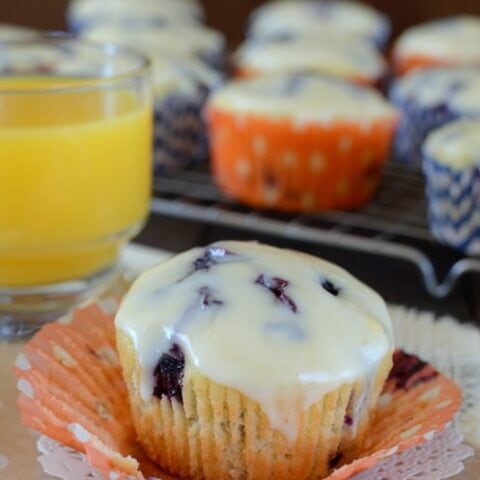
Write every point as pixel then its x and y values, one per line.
pixel 109 50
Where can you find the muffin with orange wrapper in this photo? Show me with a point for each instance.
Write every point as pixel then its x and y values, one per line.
pixel 340 55
pixel 451 41
pixel 299 142
pixel 233 364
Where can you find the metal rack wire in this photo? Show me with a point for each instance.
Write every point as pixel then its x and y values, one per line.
pixel 393 225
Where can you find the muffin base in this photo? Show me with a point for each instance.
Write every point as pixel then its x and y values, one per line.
pixel 216 432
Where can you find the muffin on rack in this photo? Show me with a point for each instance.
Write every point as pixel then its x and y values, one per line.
pixel 452 169
pixel 299 142
pixel 452 41
pixel 337 55
pixel 181 41
pixel 290 18
pixel 83 14
pixel 233 362
pixel 428 99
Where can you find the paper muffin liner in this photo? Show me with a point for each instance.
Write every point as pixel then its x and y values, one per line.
pixel 180 135
pixel 403 64
pixel 416 122
pixel 275 163
pixel 453 205
pixel 72 390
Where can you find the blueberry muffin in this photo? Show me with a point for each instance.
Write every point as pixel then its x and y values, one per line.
pixel 289 18
pixel 452 41
pixel 427 100
pixel 181 41
pixel 299 142
pixel 337 55
pixel 234 363
pixel 10 32
pixel 83 14
pixel 452 169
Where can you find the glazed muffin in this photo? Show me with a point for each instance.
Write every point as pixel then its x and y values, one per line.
pixel 234 363
pixel 181 41
pixel 83 14
pixel 357 61
pixel 299 142
pixel 453 41
pixel 427 100
pixel 290 18
pixel 452 165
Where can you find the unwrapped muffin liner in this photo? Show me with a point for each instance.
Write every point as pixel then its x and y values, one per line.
pixel 453 197
pixel 72 390
pixel 416 122
pixel 280 164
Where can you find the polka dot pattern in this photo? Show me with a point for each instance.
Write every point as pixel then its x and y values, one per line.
pixel 273 164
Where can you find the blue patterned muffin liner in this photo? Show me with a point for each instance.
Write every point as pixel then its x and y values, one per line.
pixel 416 122
pixel 454 205
pixel 180 134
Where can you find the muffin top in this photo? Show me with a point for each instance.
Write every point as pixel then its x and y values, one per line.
pixel 303 98
pixel 9 32
pixel 332 54
pixel 457 89
pixel 180 40
pixel 283 328
pixel 86 12
pixel 304 17
pixel 453 39
pixel 456 144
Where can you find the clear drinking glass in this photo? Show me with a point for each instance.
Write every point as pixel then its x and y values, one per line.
pixel 75 171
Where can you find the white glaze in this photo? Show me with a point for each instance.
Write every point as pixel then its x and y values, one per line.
pixel 87 12
pixel 10 32
pixel 254 343
pixel 316 98
pixel 302 17
pixel 432 87
pixel 457 144
pixel 454 39
pixel 332 54
pixel 181 40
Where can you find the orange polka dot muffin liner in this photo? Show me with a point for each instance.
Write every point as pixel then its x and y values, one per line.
pixel 72 390
pixel 406 64
pixel 273 163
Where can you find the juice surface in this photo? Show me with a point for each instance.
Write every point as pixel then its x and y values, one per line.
pixel 75 173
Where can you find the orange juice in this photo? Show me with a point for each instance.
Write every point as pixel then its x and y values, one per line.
pixel 74 177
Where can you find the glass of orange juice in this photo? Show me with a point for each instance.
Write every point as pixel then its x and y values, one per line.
pixel 75 172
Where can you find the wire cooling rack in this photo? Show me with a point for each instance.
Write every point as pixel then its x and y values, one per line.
pixel 393 225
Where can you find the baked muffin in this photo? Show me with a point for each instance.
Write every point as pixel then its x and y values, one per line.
pixel 205 44
pixel 427 100
pixel 337 55
pixel 9 32
pixel 299 142
pixel 453 41
pixel 289 18
pixel 235 363
pixel 82 14
pixel 452 166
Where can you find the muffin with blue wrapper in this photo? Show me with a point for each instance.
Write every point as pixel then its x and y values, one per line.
pixel 332 54
pixel 83 14
pixel 181 41
pixel 451 41
pixel 289 18
pixel 428 99
pixel 452 169
pixel 181 88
